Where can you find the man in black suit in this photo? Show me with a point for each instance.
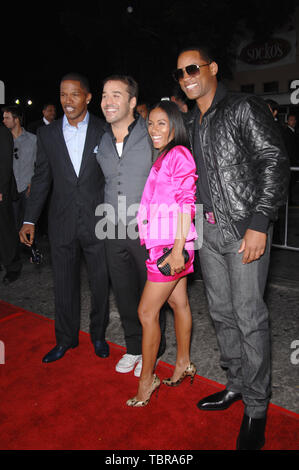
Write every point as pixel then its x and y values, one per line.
pixel 66 157
pixel 292 139
pixel 49 114
pixel 9 242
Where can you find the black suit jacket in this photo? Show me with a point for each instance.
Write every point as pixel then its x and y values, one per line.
pixel 8 232
pixel 34 126
pixel 292 144
pixel 72 197
pixel 6 161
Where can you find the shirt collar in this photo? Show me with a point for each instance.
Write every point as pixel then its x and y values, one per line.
pixel 66 123
pixel 108 127
pixel 220 94
pixel 23 134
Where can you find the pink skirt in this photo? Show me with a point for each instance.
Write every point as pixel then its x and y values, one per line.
pixel 153 273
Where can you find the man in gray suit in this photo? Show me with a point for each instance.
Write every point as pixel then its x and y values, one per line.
pixel 66 158
pixel 125 156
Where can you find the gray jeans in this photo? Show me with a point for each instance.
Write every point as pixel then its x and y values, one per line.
pixel 235 299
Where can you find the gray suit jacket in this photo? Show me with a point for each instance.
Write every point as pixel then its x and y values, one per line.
pixel 73 198
pixel 126 176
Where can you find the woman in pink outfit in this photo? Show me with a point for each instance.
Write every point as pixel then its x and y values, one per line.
pixel 164 218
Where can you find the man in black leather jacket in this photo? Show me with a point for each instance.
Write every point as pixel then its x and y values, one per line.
pixel 243 179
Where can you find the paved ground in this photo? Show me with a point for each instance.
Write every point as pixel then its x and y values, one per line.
pixel 34 291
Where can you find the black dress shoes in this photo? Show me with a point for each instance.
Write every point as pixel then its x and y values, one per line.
pixel 57 353
pixel 101 348
pixel 219 401
pixel 252 433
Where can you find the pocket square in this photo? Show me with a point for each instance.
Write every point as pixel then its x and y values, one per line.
pixel 95 150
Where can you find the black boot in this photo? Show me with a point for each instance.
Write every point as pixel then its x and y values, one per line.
pixel 252 433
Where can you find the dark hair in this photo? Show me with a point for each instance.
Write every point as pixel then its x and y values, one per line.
pixel 178 93
pixel 132 85
pixel 206 52
pixel 16 112
pixel 141 102
pixel 77 77
pixel 176 122
pixel 48 104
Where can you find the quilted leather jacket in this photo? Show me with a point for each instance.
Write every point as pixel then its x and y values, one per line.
pixel 245 160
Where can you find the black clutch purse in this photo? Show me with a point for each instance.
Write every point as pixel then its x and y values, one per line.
pixel 166 268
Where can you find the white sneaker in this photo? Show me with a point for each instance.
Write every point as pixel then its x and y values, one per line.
pixel 127 363
pixel 138 367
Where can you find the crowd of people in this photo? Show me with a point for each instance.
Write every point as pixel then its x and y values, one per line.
pixel 226 155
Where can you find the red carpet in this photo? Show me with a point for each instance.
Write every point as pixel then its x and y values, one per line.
pixel 78 403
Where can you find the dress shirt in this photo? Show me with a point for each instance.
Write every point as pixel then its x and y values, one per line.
pixel 119 146
pixel 74 137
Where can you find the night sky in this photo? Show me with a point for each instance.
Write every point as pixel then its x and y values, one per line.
pixel 142 38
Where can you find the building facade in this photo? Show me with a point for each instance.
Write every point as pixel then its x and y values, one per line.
pixel 271 68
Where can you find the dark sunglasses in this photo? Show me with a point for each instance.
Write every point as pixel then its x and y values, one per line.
pixel 15 152
pixel 191 70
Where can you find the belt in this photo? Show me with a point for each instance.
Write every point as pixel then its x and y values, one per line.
pixel 210 217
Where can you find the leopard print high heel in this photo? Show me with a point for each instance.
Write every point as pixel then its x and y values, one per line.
pixel 190 371
pixel 155 387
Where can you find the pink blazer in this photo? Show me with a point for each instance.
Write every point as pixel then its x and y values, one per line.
pixel 169 189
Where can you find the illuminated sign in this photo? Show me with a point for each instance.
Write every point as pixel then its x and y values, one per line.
pixel 276 51
pixel 268 52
